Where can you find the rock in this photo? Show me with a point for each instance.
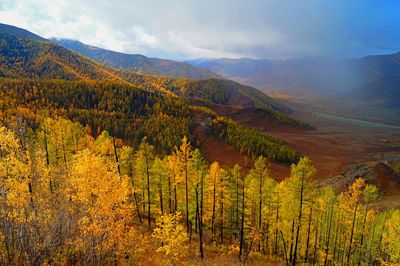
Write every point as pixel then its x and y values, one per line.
pixel 376 173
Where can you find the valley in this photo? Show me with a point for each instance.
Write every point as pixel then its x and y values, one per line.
pixel 335 143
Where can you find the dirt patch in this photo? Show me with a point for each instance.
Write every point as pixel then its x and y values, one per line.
pixel 334 145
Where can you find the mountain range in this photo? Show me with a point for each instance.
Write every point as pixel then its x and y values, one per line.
pixel 137 62
pixel 367 87
pixel 24 54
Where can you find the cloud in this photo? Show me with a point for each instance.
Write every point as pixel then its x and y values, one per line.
pixel 183 29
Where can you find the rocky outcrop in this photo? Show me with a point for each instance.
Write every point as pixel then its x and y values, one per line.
pixel 378 173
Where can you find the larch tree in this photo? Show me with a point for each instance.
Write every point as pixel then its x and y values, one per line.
pixel 184 157
pixel 144 161
pixel 100 204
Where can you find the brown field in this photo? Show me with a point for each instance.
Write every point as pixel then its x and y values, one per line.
pixel 331 147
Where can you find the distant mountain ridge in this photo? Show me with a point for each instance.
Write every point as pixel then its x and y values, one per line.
pixel 321 75
pixel 366 87
pixel 18 32
pixel 137 62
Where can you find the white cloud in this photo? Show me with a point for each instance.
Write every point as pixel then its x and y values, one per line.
pixel 225 28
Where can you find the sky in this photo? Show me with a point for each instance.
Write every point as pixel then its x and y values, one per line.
pixel 187 29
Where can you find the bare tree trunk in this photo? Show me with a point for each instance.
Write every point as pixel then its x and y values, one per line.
pixel 308 235
pixel 161 195
pixel 351 234
pixel 148 188
pixel 362 235
pixel 336 235
pixel 186 196
pixel 213 209
pixel 242 224
pixel 222 218
pixel 46 147
pixel 169 194
pixel 291 242
pixel 328 235
pixel 260 210
pixel 276 228
pixel 315 244
pixel 371 245
pixel 299 220
pixel 201 215
pixel 284 249
pixel 175 196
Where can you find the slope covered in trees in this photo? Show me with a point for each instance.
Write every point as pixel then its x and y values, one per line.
pixel 24 57
pixel 137 62
pixel 130 113
pixel 69 198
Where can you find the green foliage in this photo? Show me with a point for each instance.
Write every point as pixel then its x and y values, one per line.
pixel 128 112
pixel 251 142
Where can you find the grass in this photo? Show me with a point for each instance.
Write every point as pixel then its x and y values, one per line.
pixel 353 121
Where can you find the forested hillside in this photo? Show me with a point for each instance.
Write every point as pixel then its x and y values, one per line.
pixel 24 57
pixel 74 199
pixel 129 113
pixel 137 62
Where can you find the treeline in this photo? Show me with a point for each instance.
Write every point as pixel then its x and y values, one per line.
pixel 68 198
pixel 128 113
pixel 252 142
pixel 125 111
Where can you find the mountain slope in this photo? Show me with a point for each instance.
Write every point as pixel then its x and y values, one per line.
pixel 29 58
pixel 18 32
pixel 137 62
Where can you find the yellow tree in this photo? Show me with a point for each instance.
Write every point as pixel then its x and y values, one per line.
pixel 143 163
pixel 100 205
pixel 184 158
pixel 391 236
pixel 350 202
pixel 127 164
pixel 172 236
pixel 297 190
pixel 212 182
pixel 15 195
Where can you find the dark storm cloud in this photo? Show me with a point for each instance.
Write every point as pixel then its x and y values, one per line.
pixel 236 28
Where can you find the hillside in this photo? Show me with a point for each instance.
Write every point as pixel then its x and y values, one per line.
pixel 100 96
pixel 137 62
pixel 18 32
pixel 22 56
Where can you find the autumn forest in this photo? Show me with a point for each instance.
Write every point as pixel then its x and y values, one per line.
pixel 100 165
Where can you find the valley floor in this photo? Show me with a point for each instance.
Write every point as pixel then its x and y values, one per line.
pixel 337 144
pixel 333 146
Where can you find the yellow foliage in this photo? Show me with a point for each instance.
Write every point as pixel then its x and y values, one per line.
pixel 172 235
